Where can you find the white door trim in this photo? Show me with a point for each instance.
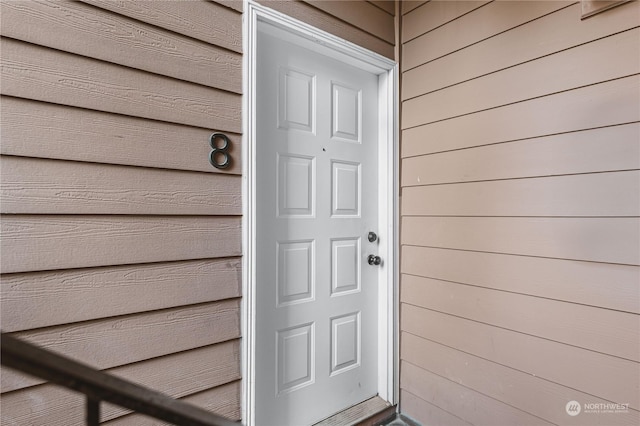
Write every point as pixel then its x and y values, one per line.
pixel 387 70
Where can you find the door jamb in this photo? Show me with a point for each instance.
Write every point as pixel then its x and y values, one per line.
pixel 388 300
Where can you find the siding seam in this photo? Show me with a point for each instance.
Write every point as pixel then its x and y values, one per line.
pixel 348 23
pixel 496 363
pixel 517 64
pixel 169 29
pixel 445 23
pixel 478 392
pixel 516 254
pixel 514 292
pixel 519 332
pixel 518 178
pixel 484 39
pixel 524 100
pixel 522 139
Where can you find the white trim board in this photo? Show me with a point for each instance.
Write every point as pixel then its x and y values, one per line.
pixel 317 40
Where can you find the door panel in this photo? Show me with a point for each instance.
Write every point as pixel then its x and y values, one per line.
pixel 316 151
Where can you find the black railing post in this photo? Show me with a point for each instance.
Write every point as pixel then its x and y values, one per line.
pixel 93 412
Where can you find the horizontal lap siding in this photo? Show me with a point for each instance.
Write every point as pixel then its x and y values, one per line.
pixel 602 194
pixel 514 389
pixel 407 6
pixel 607 285
pixel 64 187
pixel 357 21
pixel 388 6
pixel 520 228
pixel 583 326
pixel 99 342
pixel 33 242
pixel 120 242
pixel 224 400
pixel 487 21
pixel 200 19
pixel 554 361
pixel 361 14
pixel 47 75
pixel 178 375
pixel 617 58
pixel 104 35
pixel 612 148
pixel 118 290
pixel 600 105
pixel 513 47
pixel 433 15
pixel 98 137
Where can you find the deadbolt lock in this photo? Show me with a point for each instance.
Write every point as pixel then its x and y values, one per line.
pixel 372 236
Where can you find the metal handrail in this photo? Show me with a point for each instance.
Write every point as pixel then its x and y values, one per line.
pixel 100 386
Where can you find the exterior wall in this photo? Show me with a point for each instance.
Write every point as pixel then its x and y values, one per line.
pixel 369 24
pixel 520 202
pixel 120 242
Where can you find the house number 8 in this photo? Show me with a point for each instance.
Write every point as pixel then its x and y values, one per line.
pixel 219 152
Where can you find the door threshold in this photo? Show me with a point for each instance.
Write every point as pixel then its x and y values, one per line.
pixel 373 411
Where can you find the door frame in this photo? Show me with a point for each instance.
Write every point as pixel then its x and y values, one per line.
pixel 388 154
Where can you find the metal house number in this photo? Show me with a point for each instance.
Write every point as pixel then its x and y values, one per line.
pixel 219 152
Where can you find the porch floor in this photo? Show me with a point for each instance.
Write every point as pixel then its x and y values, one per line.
pixel 373 411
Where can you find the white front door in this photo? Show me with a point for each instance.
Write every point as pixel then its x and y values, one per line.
pixel 317 200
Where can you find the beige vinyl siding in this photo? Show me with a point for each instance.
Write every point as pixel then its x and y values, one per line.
pixel 85 135
pixel 362 14
pixel 120 242
pixel 101 34
pixel 433 15
pixel 48 75
pixel 50 186
pixel 407 6
pixel 388 6
pixel 520 231
pixel 194 19
pixel 220 400
pixel 97 292
pixel 358 21
pixel 181 374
